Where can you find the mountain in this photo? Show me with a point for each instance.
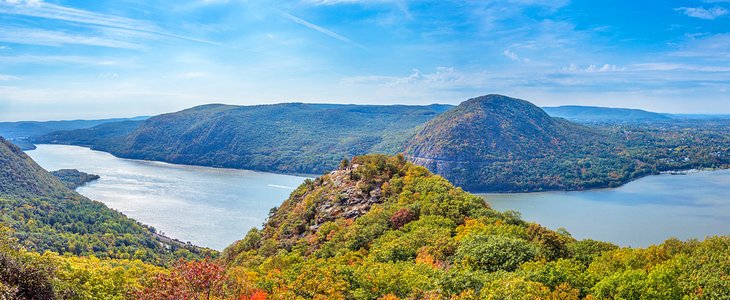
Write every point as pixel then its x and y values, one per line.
pixel 380 227
pixel 46 215
pixel 491 143
pixel 20 132
pixel 290 137
pixel 604 114
pixel 500 144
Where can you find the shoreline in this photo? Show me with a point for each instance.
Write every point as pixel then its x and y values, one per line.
pixel 310 176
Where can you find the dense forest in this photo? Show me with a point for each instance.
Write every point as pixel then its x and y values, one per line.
pixel 73 178
pixel 44 214
pixel 491 143
pixel 380 227
pixel 289 138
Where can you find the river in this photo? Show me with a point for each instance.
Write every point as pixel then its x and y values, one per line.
pixel 209 207
pixel 643 212
pixel 213 207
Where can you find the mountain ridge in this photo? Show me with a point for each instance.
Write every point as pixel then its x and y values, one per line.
pixel 492 143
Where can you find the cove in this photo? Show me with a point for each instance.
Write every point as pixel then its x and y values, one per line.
pixel 209 207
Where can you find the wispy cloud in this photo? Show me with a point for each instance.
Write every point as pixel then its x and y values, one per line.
pixel 41 9
pixel 62 60
pixel 316 27
pixel 592 68
pixel 58 38
pixel 513 56
pixel 703 13
pixel 5 77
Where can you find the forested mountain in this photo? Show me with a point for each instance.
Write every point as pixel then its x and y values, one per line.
pixel 291 137
pixel 46 215
pixel 492 143
pixel 498 143
pixel 382 228
pixel 379 227
pixel 501 144
pixel 604 114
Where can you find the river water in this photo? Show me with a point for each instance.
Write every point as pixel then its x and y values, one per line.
pixel 213 207
pixel 643 212
pixel 207 206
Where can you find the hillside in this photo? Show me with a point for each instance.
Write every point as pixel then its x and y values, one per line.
pixel 492 143
pixel 382 228
pixel 20 176
pixel 379 227
pixel 604 114
pixel 497 143
pixel 290 137
pixel 46 215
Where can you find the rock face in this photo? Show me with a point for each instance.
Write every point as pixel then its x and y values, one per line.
pixel 353 201
pixel 342 195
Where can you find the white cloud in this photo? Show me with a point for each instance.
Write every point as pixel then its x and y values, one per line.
pixel 713 47
pixel 40 9
pixel 5 77
pixel 513 56
pixel 57 38
pixel 316 27
pixel 592 68
pixel 703 13
pixel 108 75
pixel 661 66
pixel 62 60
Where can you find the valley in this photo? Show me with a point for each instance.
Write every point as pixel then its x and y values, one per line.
pixel 492 143
pixel 217 205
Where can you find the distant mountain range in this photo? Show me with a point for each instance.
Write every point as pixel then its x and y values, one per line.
pixel 593 113
pixel 491 143
pixel 20 132
pixel 607 114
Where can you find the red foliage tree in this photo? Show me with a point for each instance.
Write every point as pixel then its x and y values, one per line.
pixel 188 280
pixel 402 217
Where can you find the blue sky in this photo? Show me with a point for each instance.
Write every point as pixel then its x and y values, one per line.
pixel 112 58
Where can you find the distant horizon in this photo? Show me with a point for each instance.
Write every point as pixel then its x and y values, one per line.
pixel 333 103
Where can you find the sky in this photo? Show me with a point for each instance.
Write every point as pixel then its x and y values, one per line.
pixel 122 58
